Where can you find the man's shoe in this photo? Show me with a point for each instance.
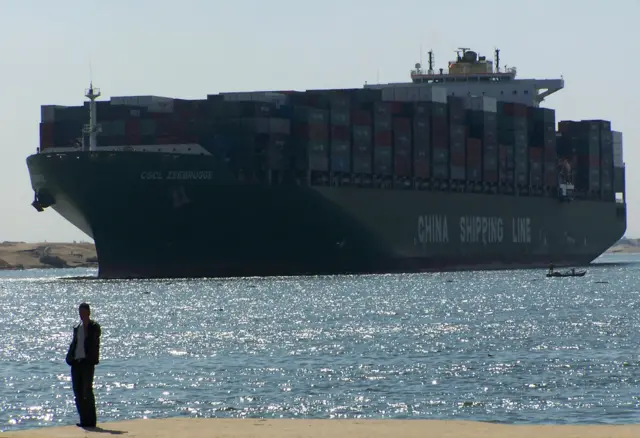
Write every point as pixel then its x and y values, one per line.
pixel 86 426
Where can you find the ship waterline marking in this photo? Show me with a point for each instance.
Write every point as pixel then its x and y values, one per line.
pixel 482 230
pixel 180 175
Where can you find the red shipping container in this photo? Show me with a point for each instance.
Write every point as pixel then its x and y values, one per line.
pixel 396 107
pixel 402 166
pixel 401 124
pixel 339 132
pixel 132 128
pixel 474 151
pixel 507 109
pixel 46 135
pixel 439 125
pixel 566 126
pixel 535 155
pixel 440 142
pixel 46 130
pixel 383 138
pixel 550 175
pixel 490 176
pixel 503 153
pixel 518 110
pixel 421 167
pixel 458 157
pixel 361 117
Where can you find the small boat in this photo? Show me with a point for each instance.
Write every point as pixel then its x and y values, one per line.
pixel 567 274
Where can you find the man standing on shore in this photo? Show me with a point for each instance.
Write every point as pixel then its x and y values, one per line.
pixel 82 357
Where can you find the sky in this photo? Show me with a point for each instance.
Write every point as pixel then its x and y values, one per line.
pixel 49 50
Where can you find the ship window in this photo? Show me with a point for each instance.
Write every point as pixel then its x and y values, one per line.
pixel 501 91
pixel 526 91
pixel 515 92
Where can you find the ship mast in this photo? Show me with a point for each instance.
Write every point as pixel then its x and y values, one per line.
pixel 93 128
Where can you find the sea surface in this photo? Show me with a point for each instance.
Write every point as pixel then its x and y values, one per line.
pixel 506 347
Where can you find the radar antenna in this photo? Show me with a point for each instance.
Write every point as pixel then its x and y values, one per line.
pixel 93 128
pixel 464 50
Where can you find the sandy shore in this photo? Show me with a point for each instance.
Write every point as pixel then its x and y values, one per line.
pixel 20 255
pixel 245 428
pixel 624 249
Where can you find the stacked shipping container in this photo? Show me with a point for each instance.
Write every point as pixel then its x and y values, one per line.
pixel 382 139
pixel 402 148
pixel 361 134
pixel 512 136
pixel 422 158
pixel 340 135
pixel 482 125
pixel 582 142
pixel 457 139
pixel 311 139
pixel 542 137
pixel 439 141
pixel 472 139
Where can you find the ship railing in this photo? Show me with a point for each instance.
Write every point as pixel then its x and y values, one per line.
pixel 511 71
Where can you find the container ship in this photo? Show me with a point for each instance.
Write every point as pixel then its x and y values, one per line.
pixel 453 170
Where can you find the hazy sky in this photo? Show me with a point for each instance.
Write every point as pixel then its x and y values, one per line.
pixel 190 48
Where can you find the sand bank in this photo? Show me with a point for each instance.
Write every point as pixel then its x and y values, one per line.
pixel 245 428
pixel 20 255
pixel 624 249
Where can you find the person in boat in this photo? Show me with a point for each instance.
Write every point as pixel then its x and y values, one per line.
pixel 551 268
pixel 573 271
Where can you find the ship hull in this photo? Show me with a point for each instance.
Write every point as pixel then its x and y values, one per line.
pixel 161 215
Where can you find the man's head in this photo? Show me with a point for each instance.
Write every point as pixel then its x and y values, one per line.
pixel 85 311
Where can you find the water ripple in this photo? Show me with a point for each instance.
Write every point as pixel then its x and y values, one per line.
pixel 509 347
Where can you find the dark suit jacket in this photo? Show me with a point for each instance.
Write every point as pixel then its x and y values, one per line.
pixel 91 344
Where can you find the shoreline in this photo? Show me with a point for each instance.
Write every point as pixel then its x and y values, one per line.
pixel 17 256
pixel 302 428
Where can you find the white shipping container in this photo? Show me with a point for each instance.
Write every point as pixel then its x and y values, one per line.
pixel 433 94
pixel 617 137
pixel 482 103
pixel 124 100
pixel 618 159
pixel 388 94
pixel 401 94
pixel 237 96
pixel 269 96
pixel 413 94
pixel 161 107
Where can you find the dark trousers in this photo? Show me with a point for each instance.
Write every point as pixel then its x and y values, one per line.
pixel 82 382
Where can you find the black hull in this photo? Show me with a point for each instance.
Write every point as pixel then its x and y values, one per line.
pixel 213 226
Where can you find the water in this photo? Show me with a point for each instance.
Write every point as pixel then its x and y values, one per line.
pixel 509 347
